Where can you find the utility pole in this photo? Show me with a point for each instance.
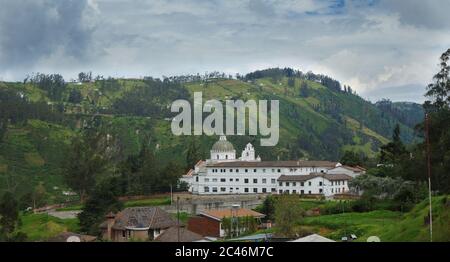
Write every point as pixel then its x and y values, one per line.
pixel 427 132
pixel 171 195
pixel 178 219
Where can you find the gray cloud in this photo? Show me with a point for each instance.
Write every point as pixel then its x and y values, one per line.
pixel 33 30
pixel 371 45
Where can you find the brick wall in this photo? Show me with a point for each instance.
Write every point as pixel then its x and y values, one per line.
pixel 204 226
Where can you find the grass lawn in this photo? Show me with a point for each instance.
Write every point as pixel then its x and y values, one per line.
pixel 160 201
pixel 43 226
pixel 362 225
pixel 388 225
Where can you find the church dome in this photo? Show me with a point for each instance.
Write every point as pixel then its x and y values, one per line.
pixel 223 145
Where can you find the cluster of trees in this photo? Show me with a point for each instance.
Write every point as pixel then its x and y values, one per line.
pixel 142 174
pixel 53 84
pixel 10 219
pixel 407 165
pixel 277 73
pixel 99 181
pixel 151 99
pixel 407 113
pixel 16 109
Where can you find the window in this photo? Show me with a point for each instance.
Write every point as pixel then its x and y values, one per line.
pixel 246 190
pixel 302 184
pixel 309 192
pixel 214 179
pixel 309 183
pixel 320 183
pixel 280 183
pixel 302 192
pixel 206 189
pixel 215 189
pixel 254 170
pixel 279 170
pixel 206 179
pixel 231 189
pixel 264 170
pixel 280 191
pixel 246 170
pixel 223 189
pixel 246 180
pixel 237 170
pixel 255 180
pixel 255 190
pixel 273 181
pixel 264 181
pixel 320 190
pixel 287 183
pixel 196 179
pixel 273 190
pixel 217 156
pixel 123 233
pixel 223 180
pixel 273 170
pixel 332 190
pixel 294 183
pixel 231 180
pixel 332 183
pixel 237 179
pixel 226 156
pixel 294 191
pixel 264 190
pixel 231 170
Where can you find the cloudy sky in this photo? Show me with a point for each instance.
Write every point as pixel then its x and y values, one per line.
pixel 382 48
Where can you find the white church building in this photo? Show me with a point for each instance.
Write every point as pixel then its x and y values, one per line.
pixel 224 173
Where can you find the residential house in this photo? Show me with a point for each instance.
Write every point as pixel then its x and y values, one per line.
pixel 136 223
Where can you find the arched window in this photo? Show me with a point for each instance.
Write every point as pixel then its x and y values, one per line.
pixel 217 156
pixel 247 154
pixel 226 156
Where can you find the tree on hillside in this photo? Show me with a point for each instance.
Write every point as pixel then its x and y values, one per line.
pixel 393 151
pixel 84 162
pixel 3 128
pixel 193 154
pixel 304 92
pixel 9 216
pixel 170 175
pixel 75 96
pixel 102 200
pixel 268 207
pixel 288 214
pixel 440 89
pixel 85 77
pixel 438 109
pixel 351 158
pixel 38 195
pixel 291 82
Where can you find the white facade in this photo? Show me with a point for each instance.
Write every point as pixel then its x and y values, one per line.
pixel 315 185
pixel 224 174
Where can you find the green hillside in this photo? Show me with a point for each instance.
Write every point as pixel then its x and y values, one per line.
pixel 316 122
pixel 388 225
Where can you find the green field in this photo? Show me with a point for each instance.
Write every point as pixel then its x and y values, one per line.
pixel 40 227
pixel 158 201
pixel 388 225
